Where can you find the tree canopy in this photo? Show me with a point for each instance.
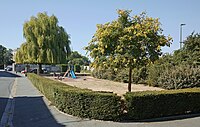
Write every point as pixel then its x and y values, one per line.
pixel 46 41
pixel 77 58
pixel 6 55
pixel 180 69
pixel 127 42
pixel 2 54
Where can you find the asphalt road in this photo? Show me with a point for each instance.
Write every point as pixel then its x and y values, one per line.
pixel 6 81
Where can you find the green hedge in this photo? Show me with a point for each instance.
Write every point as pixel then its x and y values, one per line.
pixel 154 104
pixel 79 102
pixel 108 106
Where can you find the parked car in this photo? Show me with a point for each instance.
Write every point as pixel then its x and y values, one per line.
pixel 23 71
pixel 8 69
pixel 33 71
pixel 44 70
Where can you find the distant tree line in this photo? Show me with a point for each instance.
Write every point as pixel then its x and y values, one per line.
pixel 6 56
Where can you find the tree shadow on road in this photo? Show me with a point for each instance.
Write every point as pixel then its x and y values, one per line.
pixel 8 74
pixel 33 112
pixel 164 119
pixel 3 102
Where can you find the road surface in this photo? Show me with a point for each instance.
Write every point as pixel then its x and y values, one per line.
pixel 6 82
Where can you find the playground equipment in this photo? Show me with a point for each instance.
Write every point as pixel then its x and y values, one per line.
pixel 70 72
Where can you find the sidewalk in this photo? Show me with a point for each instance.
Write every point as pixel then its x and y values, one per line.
pixel 32 109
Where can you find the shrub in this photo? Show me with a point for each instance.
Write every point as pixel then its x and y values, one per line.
pixel 171 76
pixel 64 67
pixel 122 75
pixel 88 104
pixel 153 104
pixel 178 77
pixel 77 68
pixel 98 73
pixel 101 73
pixel 108 106
pixel 79 102
pixel 154 72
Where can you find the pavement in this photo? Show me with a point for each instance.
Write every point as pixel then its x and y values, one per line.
pixel 29 108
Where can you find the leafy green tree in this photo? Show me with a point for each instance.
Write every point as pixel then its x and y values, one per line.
pixel 5 56
pixel 2 54
pixel 8 58
pixel 180 69
pixel 190 53
pixel 46 41
pixel 192 48
pixel 77 58
pixel 127 42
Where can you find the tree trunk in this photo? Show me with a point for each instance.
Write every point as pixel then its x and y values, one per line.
pixel 39 71
pixel 129 79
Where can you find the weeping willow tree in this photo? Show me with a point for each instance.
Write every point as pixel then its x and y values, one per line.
pixel 46 42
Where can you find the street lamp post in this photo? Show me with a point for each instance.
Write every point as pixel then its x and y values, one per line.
pixel 181 42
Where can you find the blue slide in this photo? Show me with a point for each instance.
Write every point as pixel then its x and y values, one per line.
pixel 72 74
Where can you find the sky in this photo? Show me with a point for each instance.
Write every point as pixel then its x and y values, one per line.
pixel 80 17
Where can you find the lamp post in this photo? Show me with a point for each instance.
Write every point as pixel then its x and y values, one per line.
pixel 181 42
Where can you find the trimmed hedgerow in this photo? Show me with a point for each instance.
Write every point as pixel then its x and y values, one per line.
pixel 79 102
pixel 108 106
pixel 154 104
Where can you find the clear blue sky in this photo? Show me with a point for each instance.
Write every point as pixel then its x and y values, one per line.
pixel 79 17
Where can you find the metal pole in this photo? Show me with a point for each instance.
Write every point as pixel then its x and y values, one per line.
pixel 181 41
pixel 180 36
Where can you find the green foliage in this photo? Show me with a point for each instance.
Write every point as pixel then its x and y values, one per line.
pixel 5 55
pixel 121 75
pixel 154 104
pixel 190 53
pixel 156 69
pixel 79 102
pixel 108 106
pixel 46 41
pixel 192 47
pixel 170 76
pixel 77 68
pixel 2 54
pixel 178 77
pixel 64 67
pixel 127 42
pixel 110 74
pixel 76 58
pixel 180 70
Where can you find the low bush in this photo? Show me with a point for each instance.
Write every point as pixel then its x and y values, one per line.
pixel 154 104
pixel 120 75
pixel 64 67
pixel 174 77
pixel 79 102
pixel 179 77
pixel 77 68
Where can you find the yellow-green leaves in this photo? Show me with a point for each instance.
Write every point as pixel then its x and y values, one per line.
pixel 128 41
pixel 45 41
